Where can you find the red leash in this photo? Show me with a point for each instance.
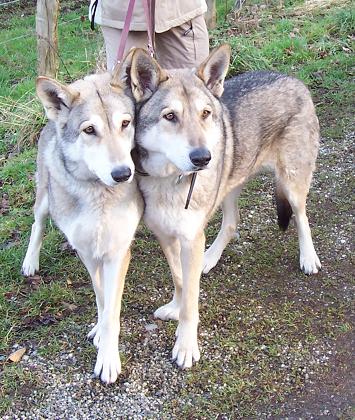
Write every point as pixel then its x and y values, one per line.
pixel 149 10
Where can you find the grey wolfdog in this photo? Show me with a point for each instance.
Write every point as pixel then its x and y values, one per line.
pixel 85 182
pixel 190 121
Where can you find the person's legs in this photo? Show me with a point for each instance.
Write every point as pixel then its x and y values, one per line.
pixel 112 38
pixel 183 46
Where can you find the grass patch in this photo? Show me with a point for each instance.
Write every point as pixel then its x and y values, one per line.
pixel 20 112
pixel 16 381
pixel 316 47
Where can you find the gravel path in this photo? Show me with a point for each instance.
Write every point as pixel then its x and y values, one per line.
pixel 67 391
pixel 64 387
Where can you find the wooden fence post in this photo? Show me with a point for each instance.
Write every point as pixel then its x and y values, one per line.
pixel 211 15
pixel 47 37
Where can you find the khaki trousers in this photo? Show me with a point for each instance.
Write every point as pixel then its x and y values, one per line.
pixel 180 47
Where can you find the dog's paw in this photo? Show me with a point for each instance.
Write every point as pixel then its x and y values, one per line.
pixel 94 334
pixel 169 311
pixel 186 350
pixel 210 260
pixel 108 365
pixel 214 253
pixel 310 263
pixel 30 266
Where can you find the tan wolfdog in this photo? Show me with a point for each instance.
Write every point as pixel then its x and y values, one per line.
pixel 85 183
pixel 190 121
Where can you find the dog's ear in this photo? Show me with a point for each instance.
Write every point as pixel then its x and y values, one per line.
pixel 121 73
pixel 214 69
pixel 146 75
pixel 55 97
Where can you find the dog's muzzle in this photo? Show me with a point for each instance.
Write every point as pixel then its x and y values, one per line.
pixel 200 157
pixel 121 174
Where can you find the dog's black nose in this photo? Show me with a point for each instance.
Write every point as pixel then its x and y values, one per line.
pixel 200 156
pixel 121 174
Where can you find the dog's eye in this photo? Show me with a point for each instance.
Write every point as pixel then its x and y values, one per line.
pixel 170 116
pixel 206 113
pixel 125 123
pixel 89 130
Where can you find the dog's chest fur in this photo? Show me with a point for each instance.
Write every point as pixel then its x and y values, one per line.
pixel 165 200
pixel 96 219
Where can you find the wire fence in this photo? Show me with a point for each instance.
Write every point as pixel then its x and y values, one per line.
pixel 20 113
pixel 75 58
pixel 33 32
pixel 6 3
pixel 80 50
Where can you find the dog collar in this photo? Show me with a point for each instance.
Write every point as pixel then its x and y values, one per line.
pixel 179 178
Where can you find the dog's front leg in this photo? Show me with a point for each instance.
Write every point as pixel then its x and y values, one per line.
pixel 31 262
pixel 108 364
pixel 171 248
pixel 186 348
pixel 94 267
pixel 97 282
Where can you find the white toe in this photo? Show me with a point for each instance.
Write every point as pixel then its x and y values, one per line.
pixel 169 311
pixel 310 263
pixel 186 350
pixel 108 365
pixel 30 266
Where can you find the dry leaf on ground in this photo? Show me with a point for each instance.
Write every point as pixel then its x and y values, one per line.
pixel 17 355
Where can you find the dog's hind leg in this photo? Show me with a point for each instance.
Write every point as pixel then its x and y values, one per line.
pixel 171 249
pixel 295 193
pixel 108 364
pixel 31 262
pixel 227 232
pixel 296 152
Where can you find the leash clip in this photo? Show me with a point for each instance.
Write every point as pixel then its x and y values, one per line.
pixel 179 179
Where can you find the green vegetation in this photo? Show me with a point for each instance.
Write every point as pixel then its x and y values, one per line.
pixel 314 45
pixel 260 317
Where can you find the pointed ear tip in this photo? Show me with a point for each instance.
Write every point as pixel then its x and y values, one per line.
pixel 226 48
pixel 139 51
pixel 42 79
pixel 128 56
pixel 42 84
pixel 223 48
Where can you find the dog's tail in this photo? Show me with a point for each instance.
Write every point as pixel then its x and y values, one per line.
pixel 284 209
